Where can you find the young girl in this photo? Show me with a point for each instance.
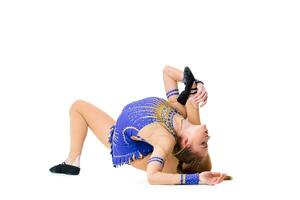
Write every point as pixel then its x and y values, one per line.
pixel 163 137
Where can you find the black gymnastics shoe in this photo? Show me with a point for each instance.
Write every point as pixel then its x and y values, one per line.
pixel 188 80
pixel 64 168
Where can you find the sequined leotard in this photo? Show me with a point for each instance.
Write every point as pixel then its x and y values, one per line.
pixel 133 118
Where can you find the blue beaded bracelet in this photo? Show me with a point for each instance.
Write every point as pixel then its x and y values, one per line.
pixel 192 179
pixel 189 179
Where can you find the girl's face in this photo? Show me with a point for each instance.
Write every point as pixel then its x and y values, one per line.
pixel 198 140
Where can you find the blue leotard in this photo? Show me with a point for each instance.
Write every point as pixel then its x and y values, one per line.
pixel 133 118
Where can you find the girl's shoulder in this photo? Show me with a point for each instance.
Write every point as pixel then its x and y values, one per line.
pixel 155 134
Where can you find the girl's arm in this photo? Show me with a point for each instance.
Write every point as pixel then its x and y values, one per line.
pixel 154 169
pixel 163 146
pixel 171 77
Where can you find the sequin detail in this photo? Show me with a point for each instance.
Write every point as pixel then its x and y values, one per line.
pixel 132 119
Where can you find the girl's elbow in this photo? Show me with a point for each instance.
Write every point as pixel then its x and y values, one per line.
pixel 166 69
pixel 151 179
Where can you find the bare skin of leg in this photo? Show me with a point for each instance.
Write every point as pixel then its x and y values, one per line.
pixel 82 116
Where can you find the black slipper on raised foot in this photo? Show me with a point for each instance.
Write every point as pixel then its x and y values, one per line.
pixel 188 80
pixel 64 168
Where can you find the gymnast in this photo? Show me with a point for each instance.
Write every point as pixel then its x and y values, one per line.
pixel 165 138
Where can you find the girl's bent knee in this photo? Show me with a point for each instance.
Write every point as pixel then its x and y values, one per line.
pixel 75 106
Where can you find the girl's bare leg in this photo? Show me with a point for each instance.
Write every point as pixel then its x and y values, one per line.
pixel 82 116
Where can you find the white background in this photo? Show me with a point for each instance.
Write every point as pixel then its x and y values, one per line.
pixel 112 52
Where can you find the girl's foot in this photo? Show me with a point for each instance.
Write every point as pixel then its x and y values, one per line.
pixel 64 168
pixel 188 80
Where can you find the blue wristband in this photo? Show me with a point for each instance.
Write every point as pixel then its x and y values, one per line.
pixel 189 179
pixel 157 159
pixel 192 179
pixel 172 92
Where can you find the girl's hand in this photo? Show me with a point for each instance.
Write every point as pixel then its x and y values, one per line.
pixel 211 178
pixel 200 96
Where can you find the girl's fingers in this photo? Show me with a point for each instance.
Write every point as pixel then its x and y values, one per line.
pixel 195 97
pixel 200 97
pixel 217 179
pixel 199 92
pixel 221 178
pixel 195 100
pixel 204 102
pixel 201 100
pixel 203 94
